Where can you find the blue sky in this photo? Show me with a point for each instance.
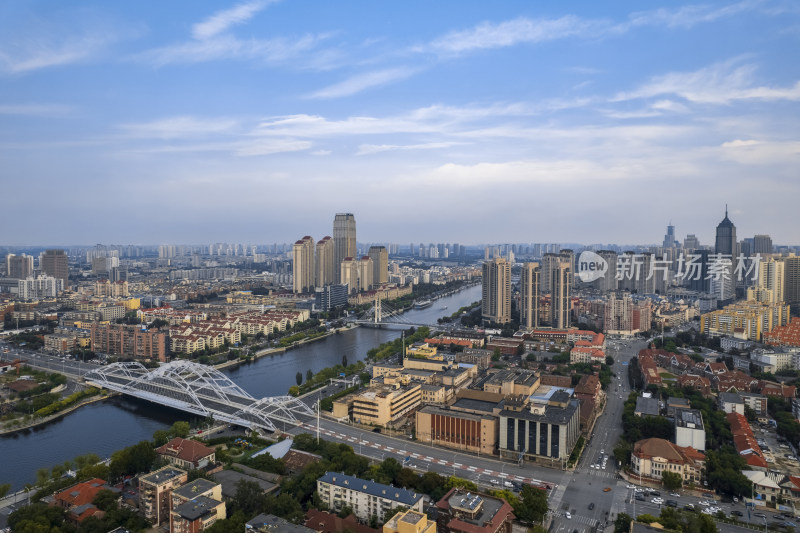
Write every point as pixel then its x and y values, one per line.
pixel 594 122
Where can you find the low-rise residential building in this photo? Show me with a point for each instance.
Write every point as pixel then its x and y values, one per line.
pixel 462 511
pixel 195 506
pixel 187 453
pixel 756 402
pixel 730 402
pixel 409 522
pixel 689 429
pixel 647 406
pixel 77 500
pixel 269 523
pixel 155 489
pixel 365 497
pixel 652 457
pixel 700 383
pixel 765 489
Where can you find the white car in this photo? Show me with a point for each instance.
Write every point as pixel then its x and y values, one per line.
pixel 657 501
pixel 494 482
pixel 568 516
pixel 630 486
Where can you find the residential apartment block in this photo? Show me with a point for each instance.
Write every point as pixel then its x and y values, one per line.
pixel 155 489
pixel 366 498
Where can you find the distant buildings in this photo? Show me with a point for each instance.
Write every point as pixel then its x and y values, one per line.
pixel 19 266
pixel 55 263
pixel 529 295
pixel 745 320
pixel 496 299
pixel 723 287
pixel 561 284
pixel 380 264
pixel 303 265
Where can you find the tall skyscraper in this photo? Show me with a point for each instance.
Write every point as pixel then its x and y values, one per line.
pixel 380 264
pixel 496 301
pixel 529 295
pixel 303 265
pixel 348 273
pixel 344 240
pixel 365 273
pixel 561 280
pixel 325 273
pixel 609 281
pixel 55 263
pixel 762 244
pixel 669 238
pixel 549 261
pixel 724 286
pixel 19 266
pixel 792 279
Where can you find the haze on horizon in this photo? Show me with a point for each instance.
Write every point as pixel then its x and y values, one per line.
pixel 257 121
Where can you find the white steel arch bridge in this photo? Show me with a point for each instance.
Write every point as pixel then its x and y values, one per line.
pixel 201 390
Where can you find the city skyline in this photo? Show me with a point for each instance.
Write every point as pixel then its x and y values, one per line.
pixel 208 122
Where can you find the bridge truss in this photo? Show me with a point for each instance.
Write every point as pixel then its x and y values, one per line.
pixel 201 390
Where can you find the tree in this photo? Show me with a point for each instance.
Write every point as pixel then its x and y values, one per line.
pixel 309 375
pixel 532 505
pixel 160 437
pixel 4 488
pixel 344 361
pixel 671 480
pixel 180 429
pixel 299 378
pixel 105 500
pixel 623 523
pixel 249 497
pixel 390 468
pixel 496 354
pixel 609 360
pixel 391 512
pixel 37 518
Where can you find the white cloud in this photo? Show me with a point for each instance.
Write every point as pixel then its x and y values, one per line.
pixel 271 146
pixel 759 152
pixel 720 83
pixel 270 51
pixel 180 127
pixel 512 32
pixel 222 20
pixel 362 82
pixel 367 149
pixel 35 53
pixel 688 16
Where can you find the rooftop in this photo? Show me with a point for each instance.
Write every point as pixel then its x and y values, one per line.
pixel 475 405
pixel 162 476
pixel 197 507
pixel 269 523
pixel 689 418
pixel 403 496
pixel 193 488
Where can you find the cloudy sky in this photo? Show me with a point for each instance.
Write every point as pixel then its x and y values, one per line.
pixel 465 121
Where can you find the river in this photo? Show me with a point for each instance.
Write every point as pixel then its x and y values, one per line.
pixel 107 426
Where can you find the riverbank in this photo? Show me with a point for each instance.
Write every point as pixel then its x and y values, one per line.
pixel 56 416
pixel 274 351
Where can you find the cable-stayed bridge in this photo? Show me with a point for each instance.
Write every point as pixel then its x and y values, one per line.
pixel 383 313
pixel 201 390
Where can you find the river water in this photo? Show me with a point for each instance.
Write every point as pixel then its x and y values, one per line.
pixel 110 425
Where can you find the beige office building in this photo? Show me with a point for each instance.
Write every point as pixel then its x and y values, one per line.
pixel 365 274
pixel 380 264
pixel 383 405
pixel 771 278
pixel 325 269
pixel 496 301
pixel 303 266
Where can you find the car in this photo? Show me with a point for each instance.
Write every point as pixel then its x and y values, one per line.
pixel 736 512
pixel 494 482
pixel 778 517
pixel 607 489
pixel 591 506
pixel 689 507
pixel 568 516
pixel 657 501
pixel 655 493
pixel 508 484
pixel 672 503
pixel 759 515
pixel 630 486
pixel 674 494
pixel 735 499
pixel 592 465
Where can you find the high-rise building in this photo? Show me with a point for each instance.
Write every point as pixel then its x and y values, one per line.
pixel 19 266
pixel 344 241
pixel 691 242
pixel 348 273
pixel 561 280
pixel 380 264
pixel 496 301
pixel 762 244
pixel 771 278
pixel 724 286
pixel 529 295
pixel 325 269
pixel 549 261
pixel 365 273
pixel 669 238
pixel 609 281
pixel 303 265
pixel 55 263
pixel 791 278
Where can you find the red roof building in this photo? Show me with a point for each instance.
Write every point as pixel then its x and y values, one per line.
pixel 461 511
pixel 186 453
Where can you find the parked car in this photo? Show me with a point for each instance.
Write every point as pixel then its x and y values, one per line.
pixel 591 506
